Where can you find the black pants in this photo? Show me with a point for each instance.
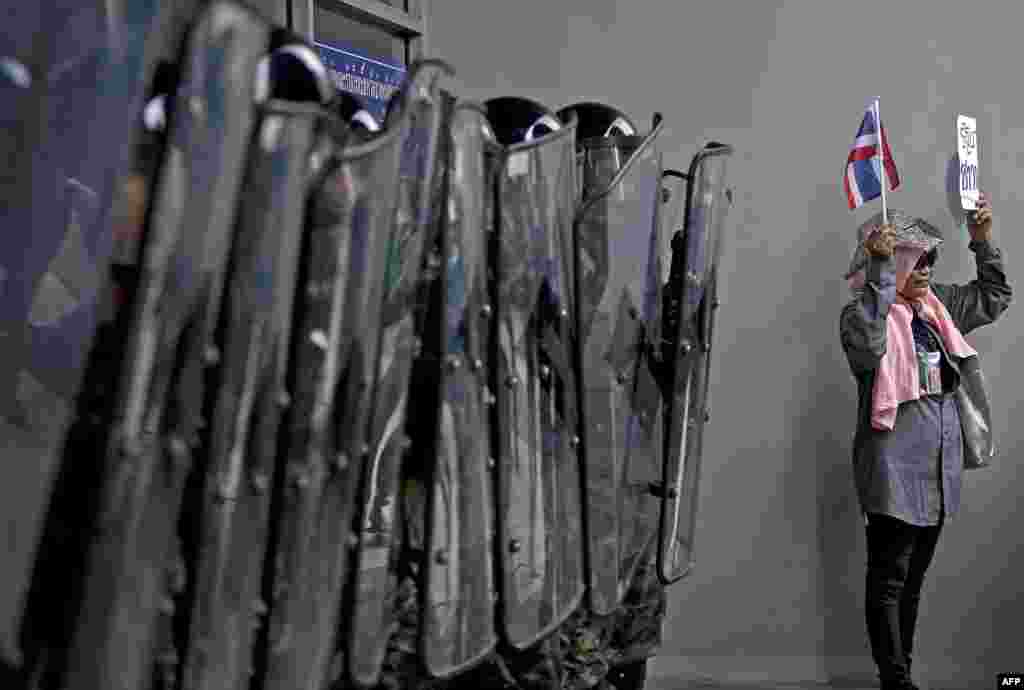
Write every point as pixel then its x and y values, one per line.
pixel 898 557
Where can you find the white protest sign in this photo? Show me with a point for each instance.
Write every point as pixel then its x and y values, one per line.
pixel 967 150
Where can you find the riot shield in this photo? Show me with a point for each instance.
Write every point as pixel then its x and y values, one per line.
pixel 334 359
pixel 689 321
pixel 72 79
pixel 129 591
pixel 397 287
pixel 454 435
pixel 619 278
pixel 539 506
pixel 253 393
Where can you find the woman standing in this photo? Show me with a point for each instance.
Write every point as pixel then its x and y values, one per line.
pixel 904 339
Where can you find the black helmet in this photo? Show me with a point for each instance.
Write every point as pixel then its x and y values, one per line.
pixel 293 72
pixel 597 120
pixel 515 120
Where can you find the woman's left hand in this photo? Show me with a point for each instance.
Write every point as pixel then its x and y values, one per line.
pixel 979 223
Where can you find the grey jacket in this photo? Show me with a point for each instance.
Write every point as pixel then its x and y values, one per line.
pixel 913 472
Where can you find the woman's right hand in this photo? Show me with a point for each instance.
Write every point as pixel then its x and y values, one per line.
pixel 881 242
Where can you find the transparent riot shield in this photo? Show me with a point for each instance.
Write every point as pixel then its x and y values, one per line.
pixel 619 277
pixel 285 156
pixel 454 434
pixel 72 80
pixel 689 319
pixel 398 287
pixel 326 446
pixel 156 425
pixel 539 506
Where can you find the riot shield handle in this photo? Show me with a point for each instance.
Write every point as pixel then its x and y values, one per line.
pixel 666 195
pixel 658 125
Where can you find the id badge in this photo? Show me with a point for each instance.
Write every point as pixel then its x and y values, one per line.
pixel 931 372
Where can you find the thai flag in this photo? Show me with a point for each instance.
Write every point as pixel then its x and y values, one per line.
pixel 862 181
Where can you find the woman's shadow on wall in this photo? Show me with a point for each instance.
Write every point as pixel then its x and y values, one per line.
pixel 823 433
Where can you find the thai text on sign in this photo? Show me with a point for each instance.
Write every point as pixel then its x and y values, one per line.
pixel 967 149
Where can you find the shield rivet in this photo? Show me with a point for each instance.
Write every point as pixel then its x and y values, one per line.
pixel 260 482
pixel 364 449
pixel 707 415
pixel 623 377
pixel 417 347
pixel 489 398
pixel 211 355
pixel 707 347
pixel 512 381
pixel 441 557
pixel 178 447
pixel 284 399
pixel 716 304
pixel 574 441
pixel 545 371
pixel 353 541
pixel 692 278
pixel 514 546
pixel 491 463
pixel 685 347
pixel 563 313
pixel 453 362
pixel 477 364
pixel 485 311
pixel 319 338
pixel 259 607
pixel 340 462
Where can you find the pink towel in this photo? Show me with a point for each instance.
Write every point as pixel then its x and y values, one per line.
pixel 897 379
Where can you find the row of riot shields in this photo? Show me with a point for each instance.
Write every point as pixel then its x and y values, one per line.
pixel 265 357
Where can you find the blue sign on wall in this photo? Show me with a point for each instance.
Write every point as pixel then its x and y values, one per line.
pixel 371 81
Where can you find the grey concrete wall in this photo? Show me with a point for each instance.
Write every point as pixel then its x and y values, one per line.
pixel 779 582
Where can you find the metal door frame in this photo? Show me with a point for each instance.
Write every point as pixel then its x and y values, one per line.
pixel 409 25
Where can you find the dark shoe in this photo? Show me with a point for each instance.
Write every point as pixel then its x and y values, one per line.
pixel 629 676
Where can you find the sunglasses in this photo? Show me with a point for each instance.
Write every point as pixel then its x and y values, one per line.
pixel 927 260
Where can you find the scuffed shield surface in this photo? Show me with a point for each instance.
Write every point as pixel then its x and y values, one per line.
pixel 131 578
pixel 458 620
pixel 397 286
pixel 334 366
pixel 253 397
pixel 72 78
pixel 689 321
pixel 539 501
pixel 620 275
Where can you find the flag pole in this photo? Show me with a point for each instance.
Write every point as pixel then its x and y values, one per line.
pixel 881 158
